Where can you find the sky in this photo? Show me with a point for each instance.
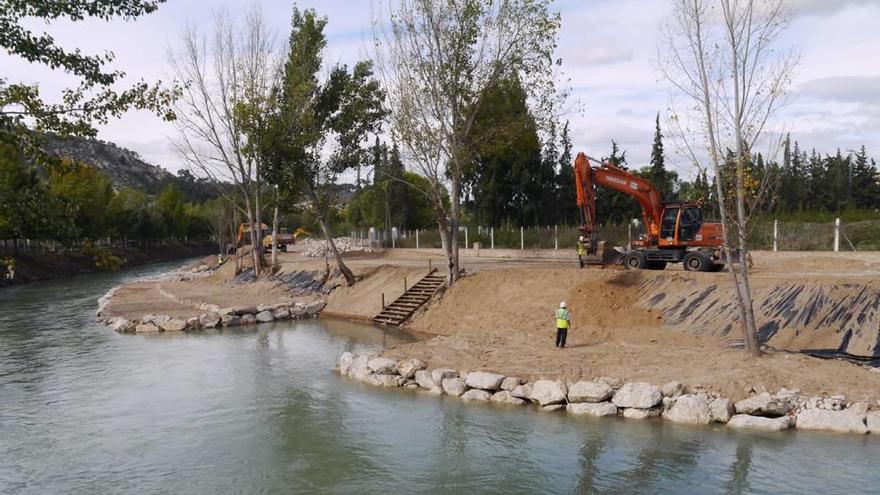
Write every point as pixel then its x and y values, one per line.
pixel 608 50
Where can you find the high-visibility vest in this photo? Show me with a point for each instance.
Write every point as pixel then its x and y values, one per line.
pixel 581 249
pixel 562 318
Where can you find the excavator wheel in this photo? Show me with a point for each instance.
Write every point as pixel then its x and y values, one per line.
pixel 635 260
pixel 696 261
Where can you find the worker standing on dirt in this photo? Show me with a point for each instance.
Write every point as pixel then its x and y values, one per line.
pixel 581 250
pixel 563 322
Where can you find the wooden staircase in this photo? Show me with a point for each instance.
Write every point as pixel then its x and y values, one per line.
pixel 404 306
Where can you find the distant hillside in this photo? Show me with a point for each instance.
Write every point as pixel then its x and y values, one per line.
pixel 125 168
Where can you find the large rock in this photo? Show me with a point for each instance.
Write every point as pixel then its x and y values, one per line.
pixel 510 383
pixel 764 405
pixel 386 381
pixel 297 311
pixel 209 320
pixel 228 320
pixel 593 408
pixel 522 392
pixel 172 325
pixel 345 362
pixel 314 307
pixel 248 319
pixel 441 374
pixel 359 368
pixel 759 422
pixel 484 380
pixel 265 316
pixel 721 410
pixel 281 313
pixel 838 421
pixel 638 395
pixel 639 413
pixel 454 386
pixel 504 397
pixel 423 378
pixel 546 392
pixel 193 323
pixel 383 366
pixel 147 328
pixel 614 383
pixel 121 325
pixel 874 422
pixel 689 409
pixel 672 389
pixel 589 392
pixel 408 367
pixel 476 394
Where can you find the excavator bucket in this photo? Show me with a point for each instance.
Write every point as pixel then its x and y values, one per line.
pixel 606 254
pixel 610 254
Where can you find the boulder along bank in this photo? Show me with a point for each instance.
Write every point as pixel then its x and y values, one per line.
pixel 609 396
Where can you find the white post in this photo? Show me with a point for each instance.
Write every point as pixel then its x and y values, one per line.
pixel 775 234
pixel 466 245
pixel 836 235
pixel 417 238
pixel 629 234
pixel 522 239
pixel 492 236
pixel 556 237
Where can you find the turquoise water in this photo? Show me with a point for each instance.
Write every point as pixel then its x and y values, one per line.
pixel 86 410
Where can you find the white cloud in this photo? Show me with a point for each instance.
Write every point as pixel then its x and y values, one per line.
pixel 608 50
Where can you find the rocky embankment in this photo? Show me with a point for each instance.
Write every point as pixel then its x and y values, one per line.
pixel 607 396
pixel 207 316
pixel 316 248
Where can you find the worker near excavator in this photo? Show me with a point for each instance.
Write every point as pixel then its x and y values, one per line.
pixel 581 250
pixel 563 323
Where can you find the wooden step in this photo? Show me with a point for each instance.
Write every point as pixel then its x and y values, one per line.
pixel 410 301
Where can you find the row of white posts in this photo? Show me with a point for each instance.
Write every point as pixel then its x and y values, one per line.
pixel 836 235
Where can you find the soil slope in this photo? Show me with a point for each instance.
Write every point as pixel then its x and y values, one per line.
pixel 501 320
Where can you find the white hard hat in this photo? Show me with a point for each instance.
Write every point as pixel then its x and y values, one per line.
pixel 581 238
pixel 562 304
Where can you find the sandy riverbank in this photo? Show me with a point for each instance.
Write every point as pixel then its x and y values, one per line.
pixel 650 326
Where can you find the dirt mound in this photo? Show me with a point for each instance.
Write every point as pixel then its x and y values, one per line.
pixel 502 320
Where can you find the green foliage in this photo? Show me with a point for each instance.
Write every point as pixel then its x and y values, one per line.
pixel 86 194
pixel 311 115
pixel 508 180
pixel 95 99
pixel 104 259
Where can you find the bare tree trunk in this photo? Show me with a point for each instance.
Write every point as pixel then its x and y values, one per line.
pixel 275 236
pixel 454 265
pixel 346 272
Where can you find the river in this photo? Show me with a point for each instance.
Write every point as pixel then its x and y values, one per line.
pixel 86 410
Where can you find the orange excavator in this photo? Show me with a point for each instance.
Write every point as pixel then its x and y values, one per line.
pixel 675 230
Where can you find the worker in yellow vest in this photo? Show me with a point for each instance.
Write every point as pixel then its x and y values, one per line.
pixel 581 250
pixel 563 323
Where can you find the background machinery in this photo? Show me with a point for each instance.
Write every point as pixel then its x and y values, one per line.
pixel 675 230
pixel 285 237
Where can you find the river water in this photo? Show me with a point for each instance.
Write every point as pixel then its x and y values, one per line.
pixel 86 410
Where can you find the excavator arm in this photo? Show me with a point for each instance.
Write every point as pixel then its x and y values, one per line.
pixel 588 177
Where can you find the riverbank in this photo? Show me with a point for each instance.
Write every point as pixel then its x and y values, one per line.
pixel 612 396
pixel 33 267
pixel 652 327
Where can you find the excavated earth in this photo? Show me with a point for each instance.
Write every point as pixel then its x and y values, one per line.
pixel 663 326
